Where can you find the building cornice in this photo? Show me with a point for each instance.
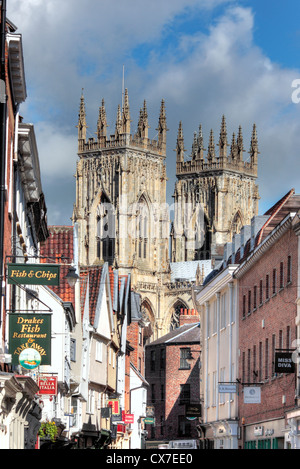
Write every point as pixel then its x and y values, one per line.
pixel 216 284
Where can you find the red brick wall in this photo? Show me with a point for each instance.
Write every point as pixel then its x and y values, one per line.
pixel 188 316
pixel 137 355
pixel 274 315
pixel 169 408
pixel 174 378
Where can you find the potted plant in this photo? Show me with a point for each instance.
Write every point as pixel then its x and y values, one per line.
pixel 48 430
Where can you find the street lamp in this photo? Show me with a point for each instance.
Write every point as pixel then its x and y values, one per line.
pixel 71 276
pixel 189 359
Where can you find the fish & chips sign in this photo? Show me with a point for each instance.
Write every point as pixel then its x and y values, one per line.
pixel 33 274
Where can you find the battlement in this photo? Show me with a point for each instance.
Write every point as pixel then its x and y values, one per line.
pixel 122 141
pixel 122 136
pixel 225 161
pixel 221 164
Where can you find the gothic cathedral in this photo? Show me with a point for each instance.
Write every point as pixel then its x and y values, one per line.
pixel 122 215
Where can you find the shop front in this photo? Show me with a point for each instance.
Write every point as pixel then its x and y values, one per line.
pixel 292 433
pixel 264 435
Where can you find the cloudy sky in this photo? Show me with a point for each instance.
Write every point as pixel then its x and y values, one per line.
pixel 205 58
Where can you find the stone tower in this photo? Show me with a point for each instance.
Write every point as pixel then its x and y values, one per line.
pixel 120 207
pixel 214 196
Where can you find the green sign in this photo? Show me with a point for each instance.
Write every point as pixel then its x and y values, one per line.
pixel 30 339
pixel 33 274
pixel 149 421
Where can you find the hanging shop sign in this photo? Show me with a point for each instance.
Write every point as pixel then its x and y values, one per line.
pixel 284 362
pixel 193 410
pixel 127 418
pixel 149 421
pixel 30 339
pixel 227 388
pixel 33 274
pixel 150 411
pixel 47 385
pixel 252 395
pixel 115 406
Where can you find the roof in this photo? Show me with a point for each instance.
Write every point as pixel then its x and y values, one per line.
pixel 140 376
pixel 187 270
pixel 188 333
pixel 289 203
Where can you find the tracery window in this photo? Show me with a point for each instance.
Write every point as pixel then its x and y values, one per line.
pixel 105 231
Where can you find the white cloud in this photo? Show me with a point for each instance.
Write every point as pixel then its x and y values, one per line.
pixel 69 45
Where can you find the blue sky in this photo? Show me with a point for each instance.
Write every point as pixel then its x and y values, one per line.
pixel 206 58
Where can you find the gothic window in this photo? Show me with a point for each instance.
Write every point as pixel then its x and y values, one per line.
pixel 202 240
pixel 237 223
pixel 143 230
pixel 175 316
pixel 105 231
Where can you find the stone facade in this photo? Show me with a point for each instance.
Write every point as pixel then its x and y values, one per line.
pixel 121 209
pixel 214 197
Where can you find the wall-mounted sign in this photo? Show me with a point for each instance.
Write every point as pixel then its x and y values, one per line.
pixel 284 362
pixel 258 431
pixel 33 274
pixel 252 395
pixel 30 339
pixel 47 385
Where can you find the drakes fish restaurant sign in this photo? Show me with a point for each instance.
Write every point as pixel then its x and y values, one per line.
pixel 30 339
pixel 33 274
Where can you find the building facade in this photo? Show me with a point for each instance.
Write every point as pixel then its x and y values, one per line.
pixel 268 278
pixel 174 383
pixel 217 303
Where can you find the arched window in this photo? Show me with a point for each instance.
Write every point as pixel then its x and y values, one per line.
pixel 174 324
pixel 202 240
pixel 143 230
pixel 105 230
pixel 236 223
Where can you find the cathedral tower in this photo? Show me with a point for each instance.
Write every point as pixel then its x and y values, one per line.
pixel 214 197
pixel 120 207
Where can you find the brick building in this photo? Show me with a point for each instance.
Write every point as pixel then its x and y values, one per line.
pixel 267 278
pixel 174 383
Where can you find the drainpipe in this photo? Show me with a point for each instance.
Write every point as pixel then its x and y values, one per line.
pixel 2 144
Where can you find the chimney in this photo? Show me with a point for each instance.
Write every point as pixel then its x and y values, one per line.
pixel 188 316
pixel 236 243
pixel 245 235
pixel 257 223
